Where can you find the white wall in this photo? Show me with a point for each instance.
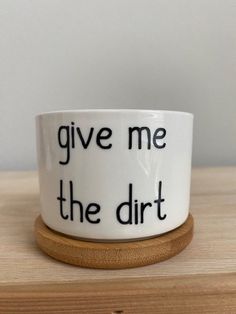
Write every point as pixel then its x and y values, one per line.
pixel 158 54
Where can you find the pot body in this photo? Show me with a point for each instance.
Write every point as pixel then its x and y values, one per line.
pixel 114 175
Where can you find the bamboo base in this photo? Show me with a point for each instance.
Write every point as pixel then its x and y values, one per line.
pixel 113 255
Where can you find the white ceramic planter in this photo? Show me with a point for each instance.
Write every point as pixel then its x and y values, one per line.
pixel 114 174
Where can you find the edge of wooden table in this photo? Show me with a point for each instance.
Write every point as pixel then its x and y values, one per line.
pixel 178 294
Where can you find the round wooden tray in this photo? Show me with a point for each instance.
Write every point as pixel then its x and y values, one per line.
pixel 113 255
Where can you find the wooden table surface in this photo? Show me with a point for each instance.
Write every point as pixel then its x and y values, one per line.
pixel 201 279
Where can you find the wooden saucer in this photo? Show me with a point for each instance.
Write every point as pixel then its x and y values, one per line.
pixel 113 255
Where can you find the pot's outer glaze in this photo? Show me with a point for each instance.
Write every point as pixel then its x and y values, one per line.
pixel 103 175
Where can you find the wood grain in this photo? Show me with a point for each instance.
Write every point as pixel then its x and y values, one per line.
pixel 168 295
pixel 201 279
pixel 113 255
